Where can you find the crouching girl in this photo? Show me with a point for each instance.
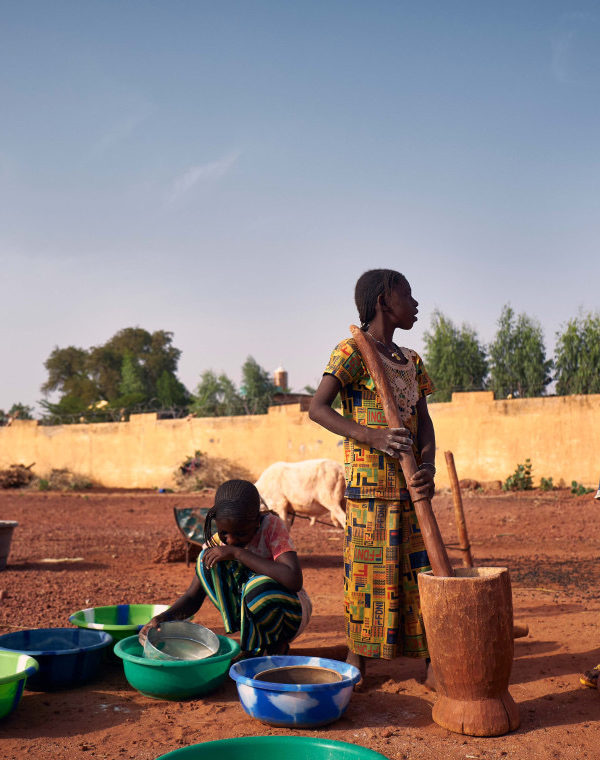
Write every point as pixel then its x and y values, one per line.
pixel 250 571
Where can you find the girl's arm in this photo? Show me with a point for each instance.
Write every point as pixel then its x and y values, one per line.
pixel 187 605
pixel 285 569
pixel 389 440
pixel 425 432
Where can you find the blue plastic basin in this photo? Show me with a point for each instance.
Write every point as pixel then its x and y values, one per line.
pixel 67 656
pixel 294 705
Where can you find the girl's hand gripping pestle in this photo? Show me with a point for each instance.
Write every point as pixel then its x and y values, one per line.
pixel 438 557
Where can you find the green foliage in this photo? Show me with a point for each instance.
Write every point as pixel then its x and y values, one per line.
pixel 132 378
pixel 257 388
pixel 518 364
pixel 22 411
pixel 170 391
pixel 134 368
pixel 68 409
pixel 16 411
pixel 43 484
pixel 578 356
pixel 546 484
pixel 521 479
pixel 68 374
pixel 454 357
pixel 216 396
pixel 578 489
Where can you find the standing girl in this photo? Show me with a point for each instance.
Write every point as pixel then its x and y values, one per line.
pixel 250 571
pixel 383 546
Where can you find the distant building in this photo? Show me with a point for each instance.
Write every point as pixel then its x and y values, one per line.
pixel 280 378
pixel 283 395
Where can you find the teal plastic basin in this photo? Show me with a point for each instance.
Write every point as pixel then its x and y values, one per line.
pixel 120 620
pixel 14 670
pixel 273 748
pixel 175 679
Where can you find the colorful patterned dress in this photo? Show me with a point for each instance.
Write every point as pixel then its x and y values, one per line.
pixel 383 547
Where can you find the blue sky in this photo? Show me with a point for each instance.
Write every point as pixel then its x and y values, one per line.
pixel 227 170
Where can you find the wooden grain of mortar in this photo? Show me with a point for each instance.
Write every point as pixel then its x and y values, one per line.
pixel 467 612
pixel 469 624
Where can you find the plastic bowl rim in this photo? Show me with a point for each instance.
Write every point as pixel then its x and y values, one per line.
pixel 28 670
pixel 119 651
pixel 270 686
pixel 112 626
pixel 52 652
pixel 308 741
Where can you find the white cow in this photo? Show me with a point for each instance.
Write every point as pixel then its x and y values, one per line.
pixel 313 488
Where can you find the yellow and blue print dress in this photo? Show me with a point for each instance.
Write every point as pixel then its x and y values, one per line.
pixel 383 547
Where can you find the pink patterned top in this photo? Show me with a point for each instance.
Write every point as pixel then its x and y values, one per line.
pixel 270 541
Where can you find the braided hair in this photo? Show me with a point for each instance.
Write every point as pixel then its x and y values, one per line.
pixel 234 500
pixel 369 287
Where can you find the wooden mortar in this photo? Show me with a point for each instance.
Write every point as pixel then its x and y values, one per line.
pixel 469 625
pixel 467 612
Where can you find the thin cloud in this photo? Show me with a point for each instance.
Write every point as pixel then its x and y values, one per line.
pixel 561 47
pixel 122 129
pixel 203 173
pixel 575 59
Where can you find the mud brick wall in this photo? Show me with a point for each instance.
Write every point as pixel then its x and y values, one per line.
pixel 561 435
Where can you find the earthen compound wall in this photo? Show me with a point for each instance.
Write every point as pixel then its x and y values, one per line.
pixel 561 436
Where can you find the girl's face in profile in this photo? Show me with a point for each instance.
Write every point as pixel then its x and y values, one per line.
pixel 402 307
pixel 236 532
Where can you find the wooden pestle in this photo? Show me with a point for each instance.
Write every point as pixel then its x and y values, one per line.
pixel 438 557
pixel 459 512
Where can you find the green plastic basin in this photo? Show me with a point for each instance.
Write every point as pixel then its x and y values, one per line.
pixel 120 620
pixel 273 748
pixel 14 670
pixel 175 679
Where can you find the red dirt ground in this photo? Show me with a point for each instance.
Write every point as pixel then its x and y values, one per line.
pixel 548 541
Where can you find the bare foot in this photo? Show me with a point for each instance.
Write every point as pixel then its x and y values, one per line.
pixel 429 681
pixel 359 662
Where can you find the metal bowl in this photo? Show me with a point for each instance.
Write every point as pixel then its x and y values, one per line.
pixel 175 679
pixel 179 640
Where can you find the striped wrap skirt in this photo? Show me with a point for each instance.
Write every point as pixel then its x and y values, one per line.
pixel 262 610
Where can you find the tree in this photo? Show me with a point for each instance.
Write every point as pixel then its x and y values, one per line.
pixel 257 389
pixel 133 368
pixel 22 411
pixel 68 374
pixel 132 380
pixel 16 411
pixel 132 388
pixel 454 357
pixel 170 391
pixel 216 396
pixel 577 359
pixel 518 364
